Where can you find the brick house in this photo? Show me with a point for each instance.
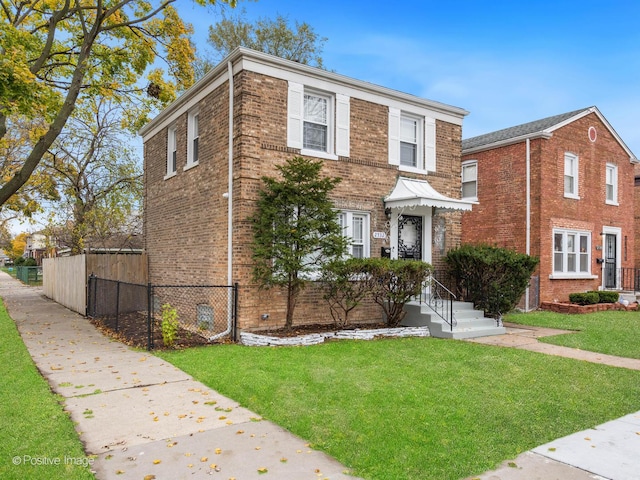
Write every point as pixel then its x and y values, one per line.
pixel 561 189
pixel 204 155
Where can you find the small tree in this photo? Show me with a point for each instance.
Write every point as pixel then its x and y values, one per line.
pixel 345 284
pixel 493 278
pixel 295 229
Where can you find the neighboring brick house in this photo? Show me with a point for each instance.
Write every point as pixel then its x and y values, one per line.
pixel 561 189
pixel 398 156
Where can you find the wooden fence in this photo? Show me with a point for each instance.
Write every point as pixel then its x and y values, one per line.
pixel 65 278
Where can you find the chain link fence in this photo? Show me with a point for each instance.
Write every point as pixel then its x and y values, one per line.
pixel 134 313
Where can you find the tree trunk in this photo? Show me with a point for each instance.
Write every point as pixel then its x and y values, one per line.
pixel 292 299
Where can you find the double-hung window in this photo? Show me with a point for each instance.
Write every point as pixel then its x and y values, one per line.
pixel 470 179
pixel 318 122
pixel 355 226
pixel 172 151
pixel 315 134
pixel 412 141
pixel 571 175
pixel 571 253
pixel 193 138
pixel 611 184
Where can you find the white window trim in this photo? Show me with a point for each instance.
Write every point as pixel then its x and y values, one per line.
pixel 426 141
pixel 570 275
pixel 191 137
pixel 338 122
pixel 614 169
pixel 366 228
pixel 469 163
pixel 172 146
pixel 574 174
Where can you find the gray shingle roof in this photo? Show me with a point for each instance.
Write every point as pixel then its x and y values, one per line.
pixel 518 131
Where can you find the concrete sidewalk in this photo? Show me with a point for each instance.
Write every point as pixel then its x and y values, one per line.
pixel 142 416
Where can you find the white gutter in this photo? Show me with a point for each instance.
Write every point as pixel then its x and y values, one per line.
pixel 528 213
pixel 229 196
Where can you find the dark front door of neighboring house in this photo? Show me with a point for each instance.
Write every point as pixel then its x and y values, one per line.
pixel 610 261
pixel 410 237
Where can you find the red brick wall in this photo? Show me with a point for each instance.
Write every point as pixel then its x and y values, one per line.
pixel 186 220
pixel 500 218
pixel 637 217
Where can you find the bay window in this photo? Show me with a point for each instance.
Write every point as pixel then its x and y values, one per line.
pixel 571 253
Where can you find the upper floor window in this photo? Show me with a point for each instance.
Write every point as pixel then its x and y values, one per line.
pixel 571 252
pixel 470 179
pixel 412 141
pixel 318 122
pixel 172 151
pixel 355 226
pixel 612 184
pixel 571 175
pixel 193 138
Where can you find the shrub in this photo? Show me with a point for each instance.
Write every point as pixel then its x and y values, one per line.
pixel 169 325
pixel 19 261
pixel 606 296
pixel 394 282
pixel 30 262
pixel 493 278
pixel 345 284
pixel 584 298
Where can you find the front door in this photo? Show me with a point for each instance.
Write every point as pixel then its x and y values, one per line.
pixel 610 260
pixel 410 237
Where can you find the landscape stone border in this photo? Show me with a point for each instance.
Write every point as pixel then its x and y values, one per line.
pixel 597 307
pixel 258 340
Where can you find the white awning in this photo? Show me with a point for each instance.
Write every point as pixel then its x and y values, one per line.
pixel 409 192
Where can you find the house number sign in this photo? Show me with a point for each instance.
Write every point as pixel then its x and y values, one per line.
pixel 380 235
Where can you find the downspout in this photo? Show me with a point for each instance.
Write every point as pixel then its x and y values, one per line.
pixel 229 197
pixel 528 214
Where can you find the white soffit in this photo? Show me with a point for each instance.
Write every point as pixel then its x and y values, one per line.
pixel 409 192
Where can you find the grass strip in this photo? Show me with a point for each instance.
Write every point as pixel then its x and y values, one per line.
pixel 416 408
pixel 38 438
pixel 611 332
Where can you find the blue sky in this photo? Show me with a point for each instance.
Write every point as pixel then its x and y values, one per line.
pixel 506 62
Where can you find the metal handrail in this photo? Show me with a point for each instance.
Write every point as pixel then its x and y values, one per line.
pixel 439 299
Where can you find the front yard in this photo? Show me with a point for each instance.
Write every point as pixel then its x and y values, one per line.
pixel 416 407
pixel 611 332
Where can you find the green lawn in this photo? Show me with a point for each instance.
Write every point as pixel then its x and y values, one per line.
pixel 36 432
pixel 612 332
pixel 417 408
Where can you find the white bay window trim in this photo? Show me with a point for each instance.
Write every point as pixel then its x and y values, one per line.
pixel 571 254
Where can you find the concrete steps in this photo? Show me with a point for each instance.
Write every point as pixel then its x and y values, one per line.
pixel 470 323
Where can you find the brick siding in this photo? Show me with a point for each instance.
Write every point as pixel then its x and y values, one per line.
pixel 186 215
pixel 500 218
